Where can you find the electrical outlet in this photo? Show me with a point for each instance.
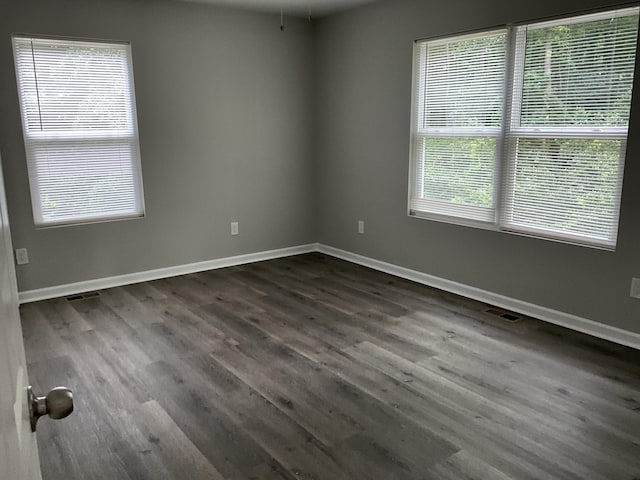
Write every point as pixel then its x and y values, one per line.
pixel 22 257
pixel 234 228
pixel 361 227
pixel 635 287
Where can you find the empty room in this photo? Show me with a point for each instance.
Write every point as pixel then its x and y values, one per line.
pixel 319 239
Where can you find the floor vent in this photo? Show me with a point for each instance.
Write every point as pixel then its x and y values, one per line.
pixel 502 314
pixel 82 296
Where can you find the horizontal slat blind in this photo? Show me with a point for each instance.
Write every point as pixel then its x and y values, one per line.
pixel 463 80
pixel 458 117
pixel 580 73
pixel 567 144
pixel 79 122
pixel 568 188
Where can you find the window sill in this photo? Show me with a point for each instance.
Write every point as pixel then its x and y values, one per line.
pixel 462 222
pixel 48 226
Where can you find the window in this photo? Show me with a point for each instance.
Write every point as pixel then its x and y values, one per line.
pixel 80 131
pixel 524 129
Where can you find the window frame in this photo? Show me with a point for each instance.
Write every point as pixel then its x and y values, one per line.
pixel 127 135
pixel 510 131
pixel 490 214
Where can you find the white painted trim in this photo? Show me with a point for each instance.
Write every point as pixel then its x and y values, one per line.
pixel 127 279
pixel 556 317
pixel 584 325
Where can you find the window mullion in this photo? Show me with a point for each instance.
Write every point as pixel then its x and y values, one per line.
pixel 502 147
pixel 513 105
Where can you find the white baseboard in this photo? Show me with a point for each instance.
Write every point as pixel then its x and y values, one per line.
pixel 584 325
pixel 127 279
pixel 556 317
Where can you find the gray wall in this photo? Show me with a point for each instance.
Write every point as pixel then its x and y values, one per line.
pixel 224 109
pixel 363 107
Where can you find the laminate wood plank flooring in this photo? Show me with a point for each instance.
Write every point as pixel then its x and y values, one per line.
pixel 310 367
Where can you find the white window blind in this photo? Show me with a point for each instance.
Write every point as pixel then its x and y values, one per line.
pixel 459 106
pixel 80 131
pixel 558 152
pixel 568 127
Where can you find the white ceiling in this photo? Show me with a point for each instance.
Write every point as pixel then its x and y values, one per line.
pixel 319 8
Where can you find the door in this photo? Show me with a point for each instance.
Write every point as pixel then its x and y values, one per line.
pixel 18 449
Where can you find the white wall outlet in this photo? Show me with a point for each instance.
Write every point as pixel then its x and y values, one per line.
pixel 22 257
pixel 234 228
pixel 361 227
pixel 635 287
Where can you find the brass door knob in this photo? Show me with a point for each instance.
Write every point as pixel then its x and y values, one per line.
pixel 58 403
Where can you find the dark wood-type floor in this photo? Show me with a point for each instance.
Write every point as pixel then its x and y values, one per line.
pixel 313 368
